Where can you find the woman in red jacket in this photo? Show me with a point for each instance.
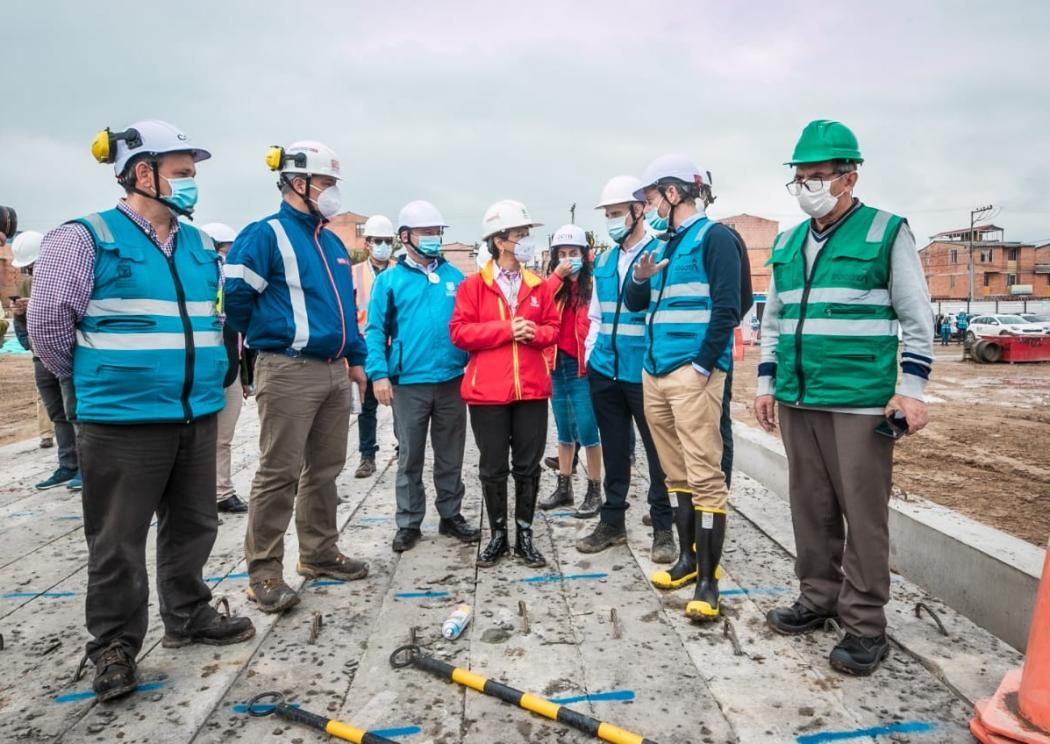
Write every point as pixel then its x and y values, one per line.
pixel 504 318
pixel 570 282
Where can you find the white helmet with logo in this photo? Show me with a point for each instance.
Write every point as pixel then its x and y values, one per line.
pixel 306 157
pixel 25 248
pixel 150 137
pixel 420 213
pixel 570 235
pixel 220 232
pixel 378 226
pixel 619 190
pixel 505 215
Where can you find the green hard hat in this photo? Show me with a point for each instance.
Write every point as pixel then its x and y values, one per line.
pixel 823 140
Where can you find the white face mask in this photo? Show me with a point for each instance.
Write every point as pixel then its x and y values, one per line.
pixel 818 204
pixel 329 201
pixel 525 250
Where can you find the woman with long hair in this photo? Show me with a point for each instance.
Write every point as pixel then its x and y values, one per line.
pixel 571 280
pixel 504 319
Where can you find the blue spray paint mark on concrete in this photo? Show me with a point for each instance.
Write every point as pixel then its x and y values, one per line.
pixel 908 727
pixel 567 577
pixel 374 520
pixel 29 595
pixel 753 590
pixel 561 514
pixel 327 582
pixel 393 732
pixel 21 514
pixel 71 518
pixel 597 697
pixel 73 697
pixel 420 595
pixel 226 577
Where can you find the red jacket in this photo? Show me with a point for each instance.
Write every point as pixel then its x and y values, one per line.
pixel 502 370
pixel 583 324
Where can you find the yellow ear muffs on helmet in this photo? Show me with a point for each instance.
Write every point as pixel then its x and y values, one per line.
pixel 104 146
pixel 276 157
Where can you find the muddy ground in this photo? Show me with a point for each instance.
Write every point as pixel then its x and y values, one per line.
pixel 985 453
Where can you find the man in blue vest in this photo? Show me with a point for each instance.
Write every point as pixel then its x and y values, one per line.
pixel 615 345
pixel 844 283
pixel 126 301
pixel 689 288
pixel 415 368
pixel 290 290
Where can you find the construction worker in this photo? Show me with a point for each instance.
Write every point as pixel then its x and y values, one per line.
pixel 237 386
pixel 962 322
pixel 290 290
pixel 146 399
pixel 415 368
pixel 379 241
pixel 690 289
pixel 571 280
pixel 843 283
pixel 504 318
pixel 615 345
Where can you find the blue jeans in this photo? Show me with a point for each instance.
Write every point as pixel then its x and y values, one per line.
pixel 571 401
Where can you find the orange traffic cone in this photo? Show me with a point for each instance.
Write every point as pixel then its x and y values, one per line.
pixel 738 344
pixel 1020 710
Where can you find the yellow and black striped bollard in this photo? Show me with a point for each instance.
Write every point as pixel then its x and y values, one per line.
pixel 272 703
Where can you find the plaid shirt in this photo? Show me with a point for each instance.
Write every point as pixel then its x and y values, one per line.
pixel 63 280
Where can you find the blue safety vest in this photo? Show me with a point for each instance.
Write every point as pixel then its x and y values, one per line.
pixel 680 304
pixel 618 350
pixel 149 347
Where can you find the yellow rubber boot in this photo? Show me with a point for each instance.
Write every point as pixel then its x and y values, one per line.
pixel 710 535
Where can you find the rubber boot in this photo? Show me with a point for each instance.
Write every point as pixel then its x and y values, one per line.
pixel 710 535
pixel 495 495
pixel 525 492
pixel 684 571
pixel 562 495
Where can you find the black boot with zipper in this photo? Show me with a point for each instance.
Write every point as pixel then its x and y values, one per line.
pixel 495 495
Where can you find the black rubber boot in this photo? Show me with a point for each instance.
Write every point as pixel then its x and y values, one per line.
pixel 592 502
pixel 525 492
pixel 562 495
pixel 684 571
pixel 495 495
pixel 710 535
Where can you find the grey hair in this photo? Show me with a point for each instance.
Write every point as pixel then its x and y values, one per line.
pixel 843 167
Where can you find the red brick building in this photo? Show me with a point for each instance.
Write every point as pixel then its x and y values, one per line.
pixel 758 234
pixel 461 255
pixel 1001 269
pixel 12 281
pixel 350 228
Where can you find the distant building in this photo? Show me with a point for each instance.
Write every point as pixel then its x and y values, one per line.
pixel 1001 269
pixel 350 228
pixel 461 255
pixel 758 234
pixel 12 281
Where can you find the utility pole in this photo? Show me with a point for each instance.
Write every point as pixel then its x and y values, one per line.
pixel 975 214
pixel 572 214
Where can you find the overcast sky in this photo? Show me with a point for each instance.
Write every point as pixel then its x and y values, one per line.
pixel 464 103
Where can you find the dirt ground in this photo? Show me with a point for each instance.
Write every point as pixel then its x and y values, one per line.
pixel 986 451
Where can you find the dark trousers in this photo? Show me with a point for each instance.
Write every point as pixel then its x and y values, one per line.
pixel 131 472
pixel 616 405
pixel 439 409
pixel 515 429
pixel 366 425
pixel 51 393
pixel 726 427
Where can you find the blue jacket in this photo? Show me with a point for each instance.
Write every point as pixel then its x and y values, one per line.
pixel 693 304
pixel 289 287
pixel 620 344
pixel 408 320
pixel 149 346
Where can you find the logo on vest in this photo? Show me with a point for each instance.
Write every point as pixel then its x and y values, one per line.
pixel 534 302
pixel 450 289
pixel 124 269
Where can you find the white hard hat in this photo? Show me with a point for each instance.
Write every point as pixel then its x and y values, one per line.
pixel 570 235
pixel 25 248
pixel 307 157
pixel 619 190
pixel 220 232
pixel 420 213
pixel 378 226
pixel 505 215
pixel 148 137
pixel 671 166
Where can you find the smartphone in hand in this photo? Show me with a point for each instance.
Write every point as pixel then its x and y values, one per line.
pixel 893 427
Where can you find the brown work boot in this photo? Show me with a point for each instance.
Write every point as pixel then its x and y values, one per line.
pixel 341 568
pixel 218 630
pixel 366 469
pixel 272 595
pixel 115 673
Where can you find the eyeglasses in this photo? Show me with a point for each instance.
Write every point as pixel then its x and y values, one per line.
pixel 812 185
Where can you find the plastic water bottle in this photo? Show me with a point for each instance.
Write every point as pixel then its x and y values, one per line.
pixel 457 622
pixel 355 399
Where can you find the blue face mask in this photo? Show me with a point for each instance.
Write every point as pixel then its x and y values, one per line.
pixel 429 246
pixel 382 251
pixel 183 193
pixel 658 223
pixel 576 264
pixel 617 228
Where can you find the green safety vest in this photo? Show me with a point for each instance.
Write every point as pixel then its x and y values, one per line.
pixel 838 330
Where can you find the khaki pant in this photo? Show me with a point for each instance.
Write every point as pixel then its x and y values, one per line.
pixel 304 416
pixel 44 427
pixel 839 474
pixel 684 412
pixel 227 425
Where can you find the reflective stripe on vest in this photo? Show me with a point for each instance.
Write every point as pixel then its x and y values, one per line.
pixel 620 344
pixel 838 329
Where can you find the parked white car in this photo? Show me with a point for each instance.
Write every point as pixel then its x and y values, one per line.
pixel 1043 320
pixel 1001 325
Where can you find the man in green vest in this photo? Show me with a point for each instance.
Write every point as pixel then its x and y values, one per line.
pixel 846 288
